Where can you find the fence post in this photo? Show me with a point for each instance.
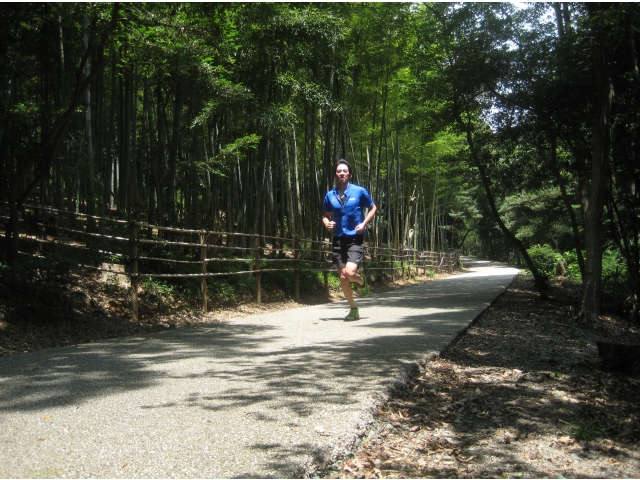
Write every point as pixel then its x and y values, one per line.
pixel 256 242
pixel 133 239
pixel 393 265
pixel 296 255
pixel 203 259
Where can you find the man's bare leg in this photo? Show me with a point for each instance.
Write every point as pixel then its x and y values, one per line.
pixel 349 274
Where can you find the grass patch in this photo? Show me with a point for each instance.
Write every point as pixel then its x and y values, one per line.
pixel 585 432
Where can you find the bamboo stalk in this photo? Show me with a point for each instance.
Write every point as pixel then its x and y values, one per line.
pixel 134 270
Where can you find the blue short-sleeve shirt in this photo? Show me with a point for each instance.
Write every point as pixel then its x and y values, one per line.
pixel 350 214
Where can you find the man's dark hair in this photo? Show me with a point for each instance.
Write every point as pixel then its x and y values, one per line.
pixel 342 161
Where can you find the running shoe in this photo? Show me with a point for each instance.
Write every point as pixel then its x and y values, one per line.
pixel 353 315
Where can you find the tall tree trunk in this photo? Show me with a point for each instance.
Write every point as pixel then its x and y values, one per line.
pixel 314 194
pixel 434 209
pixel 61 98
pixel 387 193
pixel 592 280
pixel 125 141
pixel 108 195
pixel 174 148
pixel 298 196
pixel 134 191
pixel 399 210
pixel 87 120
pixel 553 164
pixel 290 193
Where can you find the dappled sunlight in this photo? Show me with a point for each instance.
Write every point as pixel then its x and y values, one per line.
pixel 302 376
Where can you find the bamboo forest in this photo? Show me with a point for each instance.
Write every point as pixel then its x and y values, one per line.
pixel 505 131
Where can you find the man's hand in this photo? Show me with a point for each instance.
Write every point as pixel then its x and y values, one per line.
pixel 360 227
pixel 330 224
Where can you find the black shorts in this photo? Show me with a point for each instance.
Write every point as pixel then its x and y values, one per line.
pixel 348 249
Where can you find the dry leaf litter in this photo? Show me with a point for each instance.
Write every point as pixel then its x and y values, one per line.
pixel 519 395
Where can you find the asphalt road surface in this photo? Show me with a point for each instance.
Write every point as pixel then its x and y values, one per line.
pixel 268 396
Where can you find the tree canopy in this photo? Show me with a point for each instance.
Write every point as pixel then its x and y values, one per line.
pixel 489 127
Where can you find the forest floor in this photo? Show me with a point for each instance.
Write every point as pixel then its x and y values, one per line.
pixel 520 395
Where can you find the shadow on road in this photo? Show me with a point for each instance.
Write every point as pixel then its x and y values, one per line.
pixel 249 364
pixel 66 376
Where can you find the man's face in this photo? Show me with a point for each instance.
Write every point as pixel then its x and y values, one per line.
pixel 342 173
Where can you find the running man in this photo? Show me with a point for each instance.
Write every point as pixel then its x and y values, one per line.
pixel 344 215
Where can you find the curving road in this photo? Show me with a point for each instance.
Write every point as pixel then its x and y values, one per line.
pixel 267 396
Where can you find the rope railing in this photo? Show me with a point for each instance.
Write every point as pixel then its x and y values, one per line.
pixel 298 255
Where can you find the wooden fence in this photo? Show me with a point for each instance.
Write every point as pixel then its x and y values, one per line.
pixel 153 251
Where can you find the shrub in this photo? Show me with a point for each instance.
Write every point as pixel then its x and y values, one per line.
pixel 221 289
pixel 573 268
pixel 614 269
pixel 614 272
pixel 545 258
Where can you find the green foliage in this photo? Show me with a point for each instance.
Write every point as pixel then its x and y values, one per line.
pixel 585 432
pixel 158 287
pixel 573 268
pixel 235 108
pixel 222 289
pixel 536 215
pixel 313 282
pixel 231 152
pixel 164 291
pixel 615 275
pixel 113 258
pixel 333 280
pixel 545 258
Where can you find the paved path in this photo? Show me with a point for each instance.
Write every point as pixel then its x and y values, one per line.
pixel 258 397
